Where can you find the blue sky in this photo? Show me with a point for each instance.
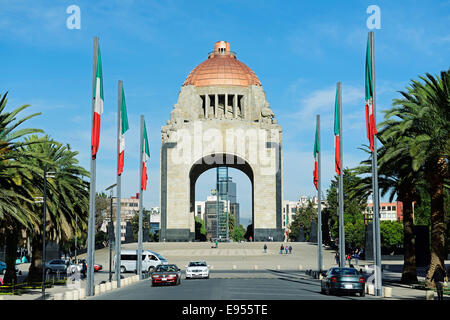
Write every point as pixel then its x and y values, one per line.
pixel 298 49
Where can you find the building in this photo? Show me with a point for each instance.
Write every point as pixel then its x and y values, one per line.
pixel 222 114
pixel 389 211
pixel 211 215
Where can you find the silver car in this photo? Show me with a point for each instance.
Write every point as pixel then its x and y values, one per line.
pixel 55 265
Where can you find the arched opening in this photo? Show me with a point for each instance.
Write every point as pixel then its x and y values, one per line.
pixel 236 164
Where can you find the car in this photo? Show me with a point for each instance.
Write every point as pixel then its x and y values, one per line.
pixel 73 267
pixel 197 269
pixel 166 274
pixel 128 260
pixel 343 280
pixel 55 265
pixel 2 267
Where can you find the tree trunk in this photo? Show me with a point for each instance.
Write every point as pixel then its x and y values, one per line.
pixel 409 274
pixel 436 183
pixel 35 271
pixel 11 254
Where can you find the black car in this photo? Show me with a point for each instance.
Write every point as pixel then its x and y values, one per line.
pixel 343 280
pixel 166 274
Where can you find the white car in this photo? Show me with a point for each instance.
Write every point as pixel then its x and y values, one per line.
pixel 197 269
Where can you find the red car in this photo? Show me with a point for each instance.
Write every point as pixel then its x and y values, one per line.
pixel 166 274
pixel 97 267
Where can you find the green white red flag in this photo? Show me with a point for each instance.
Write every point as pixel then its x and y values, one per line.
pixel 98 106
pixel 370 117
pixel 316 161
pixel 336 136
pixel 145 156
pixel 123 128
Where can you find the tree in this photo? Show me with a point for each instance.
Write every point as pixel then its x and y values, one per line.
pixel 67 195
pixel 15 178
pixel 422 118
pixel 354 203
pixel 135 223
pixel 395 178
pixel 303 219
pixel 200 230
pixel 391 233
pixel 238 233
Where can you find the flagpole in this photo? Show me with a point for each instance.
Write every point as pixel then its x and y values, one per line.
pixel 91 220
pixel 139 269
pixel 319 209
pixel 341 185
pixel 119 191
pixel 378 281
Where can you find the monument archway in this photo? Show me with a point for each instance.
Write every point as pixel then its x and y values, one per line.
pixel 203 165
pixel 221 119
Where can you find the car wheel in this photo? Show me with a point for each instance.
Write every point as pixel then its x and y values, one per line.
pixel 123 269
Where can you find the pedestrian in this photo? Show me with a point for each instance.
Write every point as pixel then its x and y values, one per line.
pixel 438 278
pixel 356 256
pixel 281 249
pixel 83 268
pixel 250 238
pixel 286 249
pixel 265 248
pixel 290 249
pixel 349 259
pixel 336 257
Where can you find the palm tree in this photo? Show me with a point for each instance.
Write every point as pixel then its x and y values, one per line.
pixel 14 182
pixel 396 179
pixel 67 195
pixel 422 118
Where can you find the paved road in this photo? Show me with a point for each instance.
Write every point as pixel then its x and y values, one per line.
pixel 280 286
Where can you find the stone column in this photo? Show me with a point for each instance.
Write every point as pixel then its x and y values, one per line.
pixel 225 108
pixel 207 104
pixel 216 105
pixel 235 106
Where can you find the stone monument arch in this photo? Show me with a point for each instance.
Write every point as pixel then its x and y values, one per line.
pixel 221 118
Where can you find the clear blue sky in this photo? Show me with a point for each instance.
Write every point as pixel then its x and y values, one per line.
pixel 298 49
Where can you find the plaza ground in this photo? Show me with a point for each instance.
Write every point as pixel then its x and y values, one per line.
pixel 248 262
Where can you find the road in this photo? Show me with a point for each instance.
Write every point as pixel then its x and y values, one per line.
pixel 279 286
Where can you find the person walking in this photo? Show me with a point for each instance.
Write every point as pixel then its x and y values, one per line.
pixel 286 249
pixel 281 249
pixel 438 278
pixel 356 256
pixel 336 257
pixel 265 248
pixel 290 249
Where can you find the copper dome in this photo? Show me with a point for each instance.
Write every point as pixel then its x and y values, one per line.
pixel 222 68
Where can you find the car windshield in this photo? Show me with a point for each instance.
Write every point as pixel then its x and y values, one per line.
pixel 197 264
pixel 345 271
pixel 167 268
pixel 160 257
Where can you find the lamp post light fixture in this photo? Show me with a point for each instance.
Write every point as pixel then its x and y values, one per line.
pixel 111 230
pixel 44 201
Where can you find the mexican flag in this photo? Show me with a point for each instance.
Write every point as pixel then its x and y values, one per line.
pixel 370 117
pixel 316 159
pixel 98 106
pixel 145 156
pixel 123 128
pixel 336 135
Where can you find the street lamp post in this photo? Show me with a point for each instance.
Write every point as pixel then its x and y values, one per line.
pixel 46 175
pixel 111 230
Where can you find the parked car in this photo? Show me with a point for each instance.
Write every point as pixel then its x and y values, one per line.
pixel 166 274
pixel 55 265
pixel 79 267
pixel 339 280
pixel 197 269
pixel 150 260
pixel 2 267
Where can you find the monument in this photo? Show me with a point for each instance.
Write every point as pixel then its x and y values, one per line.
pixel 221 119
